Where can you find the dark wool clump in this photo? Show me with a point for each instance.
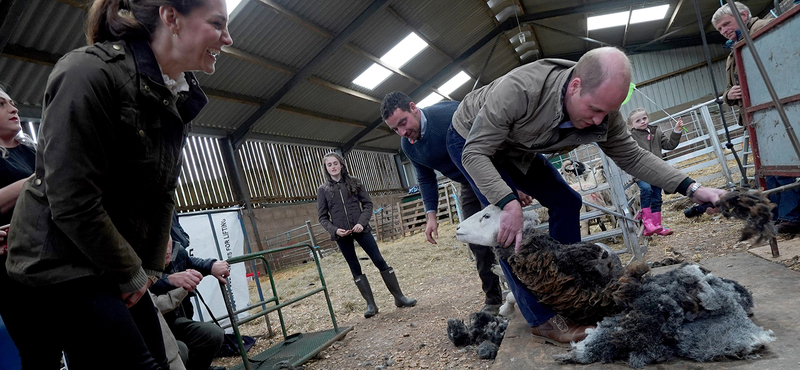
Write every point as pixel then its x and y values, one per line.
pixel 752 207
pixel 686 312
pixel 458 332
pixel 581 281
pixel 487 350
pixel 484 329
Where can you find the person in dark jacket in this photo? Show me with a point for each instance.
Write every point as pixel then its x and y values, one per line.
pixel 17 160
pixel 90 227
pixel 344 209
pixel 202 339
pixel 652 139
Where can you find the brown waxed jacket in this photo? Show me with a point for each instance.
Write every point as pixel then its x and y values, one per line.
pixel 339 209
pixel 731 74
pixel 517 116
pixel 102 196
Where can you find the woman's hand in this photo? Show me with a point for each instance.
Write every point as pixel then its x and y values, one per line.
pixel 358 228
pixel 343 232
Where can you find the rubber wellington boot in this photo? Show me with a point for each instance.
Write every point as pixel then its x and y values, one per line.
pixel 363 286
pixel 656 217
pixel 647 220
pixel 394 287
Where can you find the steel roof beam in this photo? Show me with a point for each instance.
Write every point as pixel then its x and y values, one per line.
pixel 221 133
pixel 505 26
pixel 238 136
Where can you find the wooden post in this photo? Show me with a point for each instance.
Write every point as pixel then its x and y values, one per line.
pixel 402 224
pixel 447 198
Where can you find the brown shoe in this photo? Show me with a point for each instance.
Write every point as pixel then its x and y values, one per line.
pixel 559 331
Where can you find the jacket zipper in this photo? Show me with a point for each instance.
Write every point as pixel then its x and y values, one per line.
pixel 344 205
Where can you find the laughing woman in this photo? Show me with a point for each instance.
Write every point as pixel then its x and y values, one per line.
pixel 344 209
pixel 90 227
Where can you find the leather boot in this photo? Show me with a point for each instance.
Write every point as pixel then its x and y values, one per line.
pixel 394 287
pixel 363 286
pixel 559 331
pixel 656 217
pixel 647 221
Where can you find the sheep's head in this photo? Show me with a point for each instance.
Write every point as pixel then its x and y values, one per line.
pixel 482 227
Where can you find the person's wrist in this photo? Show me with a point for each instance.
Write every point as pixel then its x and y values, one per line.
pixel 693 189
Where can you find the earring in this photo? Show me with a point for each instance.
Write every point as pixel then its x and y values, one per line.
pixel 175 35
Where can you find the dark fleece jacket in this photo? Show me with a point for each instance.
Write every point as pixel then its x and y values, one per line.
pixel 340 209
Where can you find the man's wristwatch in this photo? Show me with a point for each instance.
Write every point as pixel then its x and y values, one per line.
pixel 693 188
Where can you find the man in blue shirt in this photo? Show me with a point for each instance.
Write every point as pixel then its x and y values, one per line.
pixel 424 132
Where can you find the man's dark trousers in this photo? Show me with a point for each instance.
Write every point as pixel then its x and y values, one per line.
pixel 484 256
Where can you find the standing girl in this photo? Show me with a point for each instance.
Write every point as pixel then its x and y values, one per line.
pixel 653 140
pixel 344 209
pixel 90 228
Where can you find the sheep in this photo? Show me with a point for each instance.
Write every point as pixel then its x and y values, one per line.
pixel 643 319
pixel 507 309
pixel 580 281
pixel 581 177
pixel 686 312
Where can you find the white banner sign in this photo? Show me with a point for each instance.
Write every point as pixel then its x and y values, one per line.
pixel 220 236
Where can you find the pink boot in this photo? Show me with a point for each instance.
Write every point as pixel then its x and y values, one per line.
pixel 647 220
pixel 656 218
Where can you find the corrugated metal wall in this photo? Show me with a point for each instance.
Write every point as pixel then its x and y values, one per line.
pixel 679 89
pixel 274 173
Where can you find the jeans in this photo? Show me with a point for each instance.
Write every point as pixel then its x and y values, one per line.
pixel 786 201
pixel 484 256
pixel 543 182
pixel 650 196
pixel 92 326
pixel 368 244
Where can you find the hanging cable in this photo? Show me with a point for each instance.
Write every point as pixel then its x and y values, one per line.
pixel 717 98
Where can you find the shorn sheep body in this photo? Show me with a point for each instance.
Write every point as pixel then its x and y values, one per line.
pixel 578 281
pixel 686 312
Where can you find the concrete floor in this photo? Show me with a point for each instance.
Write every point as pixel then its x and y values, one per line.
pixel 776 291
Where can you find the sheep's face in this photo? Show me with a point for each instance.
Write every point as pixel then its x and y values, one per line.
pixel 482 227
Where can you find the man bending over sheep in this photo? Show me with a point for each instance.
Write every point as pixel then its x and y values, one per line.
pixel 500 131
pixel 424 132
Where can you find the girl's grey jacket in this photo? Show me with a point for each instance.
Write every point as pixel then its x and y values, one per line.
pixel 340 209
pixel 101 198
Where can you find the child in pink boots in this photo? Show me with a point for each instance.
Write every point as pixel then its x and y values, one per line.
pixel 652 139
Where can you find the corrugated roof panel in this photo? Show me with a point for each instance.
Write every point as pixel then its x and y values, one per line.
pixel 261 31
pixel 537 6
pixel 224 114
pixel 454 33
pixel 298 126
pixel 50 26
pixel 332 15
pixel 241 77
pixel 381 33
pixel 25 81
pixel 342 67
pixel 426 64
pixel 322 99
